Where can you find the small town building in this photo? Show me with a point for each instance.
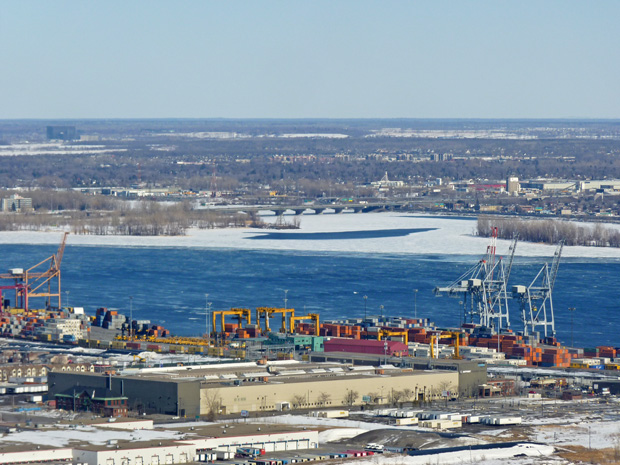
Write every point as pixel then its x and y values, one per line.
pixel 101 401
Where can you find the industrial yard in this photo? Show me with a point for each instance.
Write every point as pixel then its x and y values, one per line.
pixel 569 429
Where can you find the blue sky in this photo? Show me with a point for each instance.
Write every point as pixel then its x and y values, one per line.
pixel 316 59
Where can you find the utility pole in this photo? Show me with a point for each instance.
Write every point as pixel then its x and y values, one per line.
pixel 415 304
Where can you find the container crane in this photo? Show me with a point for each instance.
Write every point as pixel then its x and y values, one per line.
pixel 310 316
pixel 239 313
pixel 34 282
pixel 267 312
pixel 482 288
pixel 435 338
pixel 536 301
pixel 385 333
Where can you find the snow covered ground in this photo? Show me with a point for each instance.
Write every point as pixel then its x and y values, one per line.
pixel 448 236
pixel 62 437
pixel 525 452
pixel 591 434
pixel 298 420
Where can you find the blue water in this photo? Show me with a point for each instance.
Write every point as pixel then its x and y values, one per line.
pixel 168 285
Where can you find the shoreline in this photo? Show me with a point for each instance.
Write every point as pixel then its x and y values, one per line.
pixel 445 236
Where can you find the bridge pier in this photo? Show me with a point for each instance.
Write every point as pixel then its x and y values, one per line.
pixel 299 211
pixel 278 211
pixel 338 210
pixel 318 210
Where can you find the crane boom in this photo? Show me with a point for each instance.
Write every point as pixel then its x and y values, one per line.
pixel 555 265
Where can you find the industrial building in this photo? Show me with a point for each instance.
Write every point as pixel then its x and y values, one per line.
pixel 231 388
pixel 140 443
pixel 470 373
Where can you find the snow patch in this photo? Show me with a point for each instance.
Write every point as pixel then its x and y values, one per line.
pixel 337 434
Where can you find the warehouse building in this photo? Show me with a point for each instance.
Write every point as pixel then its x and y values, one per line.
pixel 135 444
pixel 229 389
pixel 471 374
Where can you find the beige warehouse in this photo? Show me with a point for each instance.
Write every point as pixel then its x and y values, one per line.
pixel 209 390
pixel 344 390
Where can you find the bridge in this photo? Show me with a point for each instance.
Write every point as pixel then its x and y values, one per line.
pixel 279 210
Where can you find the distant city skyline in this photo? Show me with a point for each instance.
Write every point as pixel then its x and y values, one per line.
pixel 320 59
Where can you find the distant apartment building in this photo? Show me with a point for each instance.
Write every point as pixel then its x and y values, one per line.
pixel 16 203
pixel 61 133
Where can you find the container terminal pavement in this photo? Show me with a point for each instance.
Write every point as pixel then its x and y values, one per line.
pixel 192 391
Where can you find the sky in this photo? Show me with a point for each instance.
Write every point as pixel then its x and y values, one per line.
pixel 309 59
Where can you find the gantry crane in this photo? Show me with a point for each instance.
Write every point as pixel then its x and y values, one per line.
pixel 34 283
pixel 310 316
pixel 239 313
pixel 539 290
pixel 267 312
pixel 483 288
pixel 384 333
pixel 450 334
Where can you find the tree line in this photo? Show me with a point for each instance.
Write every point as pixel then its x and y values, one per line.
pixel 549 231
pixel 144 218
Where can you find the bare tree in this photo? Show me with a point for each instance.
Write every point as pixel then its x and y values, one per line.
pixel 213 403
pixel 324 398
pixel 298 400
pixel 350 397
pixel 395 397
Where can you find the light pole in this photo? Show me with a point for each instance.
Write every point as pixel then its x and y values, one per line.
pixel 284 314
pixel 209 324
pixel 131 318
pixel 415 304
pixel 381 308
pixel 67 293
pixel 208 333
pixel 365 302
pixel 572 311
pixel 385 348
